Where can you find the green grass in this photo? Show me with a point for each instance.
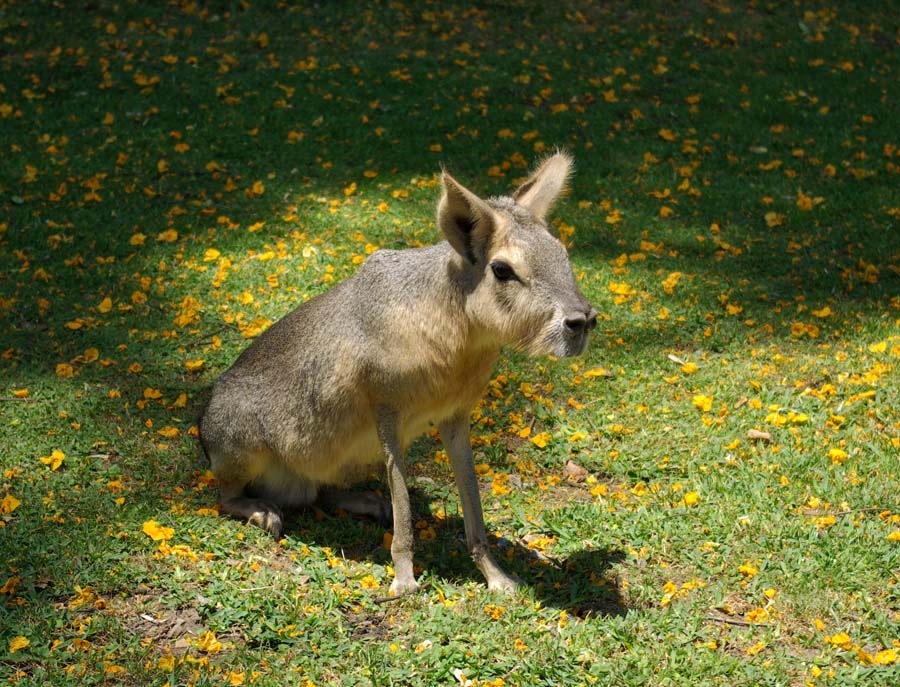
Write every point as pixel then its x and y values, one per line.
pixel 175 176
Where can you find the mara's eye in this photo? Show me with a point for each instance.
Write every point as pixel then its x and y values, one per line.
pixel 502 271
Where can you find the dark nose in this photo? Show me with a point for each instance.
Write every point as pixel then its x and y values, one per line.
pixel 580 322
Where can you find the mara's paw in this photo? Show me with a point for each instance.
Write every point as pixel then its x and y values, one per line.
pixel 403 587
pixel 501 582
pixel 267 516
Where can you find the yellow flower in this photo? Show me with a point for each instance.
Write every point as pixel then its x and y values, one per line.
pixel 8 504
pixel 369 582
pixel 703 403
pixel 65 371
pixel 756 648
pixel 54 460
pixel 670 282
pixel 82 597
pixel 208 643
pixel 824 522
pixel 841 639
pixel 500 484
pixel 773 219
pixel 494 611
pixel 667 135
pixel 838 456
pixel 18 643
pixel 670 591
pixel 9 587
pixel 620 288
pixel 541 440
pixel 157 532
pixel 886 657
pixel 748 570
pixel 540 543
pixel 757 615
pixel 806 203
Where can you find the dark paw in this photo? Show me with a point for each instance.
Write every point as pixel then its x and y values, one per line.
pixel 269 518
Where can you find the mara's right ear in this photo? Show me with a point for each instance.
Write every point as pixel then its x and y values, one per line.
pixel 465 220
pixel 545 185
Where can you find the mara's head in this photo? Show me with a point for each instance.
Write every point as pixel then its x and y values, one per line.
pixel 522 290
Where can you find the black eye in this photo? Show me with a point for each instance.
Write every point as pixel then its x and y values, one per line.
pixel 502 271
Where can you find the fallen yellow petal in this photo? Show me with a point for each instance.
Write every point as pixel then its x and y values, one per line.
pixel 18 643
pixel 157 532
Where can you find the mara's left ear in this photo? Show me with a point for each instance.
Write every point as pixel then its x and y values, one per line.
pixel 545 185
pixel 465 220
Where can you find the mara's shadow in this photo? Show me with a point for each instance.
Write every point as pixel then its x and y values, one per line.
pixel 583 582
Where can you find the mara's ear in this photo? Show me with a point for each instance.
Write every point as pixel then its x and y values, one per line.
pixel 544 186
pixel 465 220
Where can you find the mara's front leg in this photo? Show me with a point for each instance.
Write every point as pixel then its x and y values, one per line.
pixel 455 435
pixel 402 543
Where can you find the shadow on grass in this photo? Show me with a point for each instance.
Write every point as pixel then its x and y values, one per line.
pixel 583 583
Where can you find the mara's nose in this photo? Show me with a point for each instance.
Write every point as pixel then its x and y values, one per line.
pixel 580 322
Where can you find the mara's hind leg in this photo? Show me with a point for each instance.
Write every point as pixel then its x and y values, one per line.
pixel 236 474
pixel 365 503
pixel 260 512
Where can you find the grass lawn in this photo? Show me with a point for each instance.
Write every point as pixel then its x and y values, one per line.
pixel 708 497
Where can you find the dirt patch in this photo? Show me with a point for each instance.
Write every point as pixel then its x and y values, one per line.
pixel 364 625
pixel 145 615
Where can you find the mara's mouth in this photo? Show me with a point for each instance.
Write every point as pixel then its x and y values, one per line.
pixel 557 340
pixel 573 345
